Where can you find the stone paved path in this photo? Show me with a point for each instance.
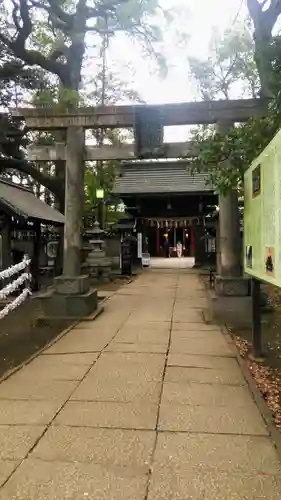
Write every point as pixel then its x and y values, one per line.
pixel 145 403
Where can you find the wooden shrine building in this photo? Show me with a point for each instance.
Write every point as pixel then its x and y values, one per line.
pixel 21 217
pixel 168 203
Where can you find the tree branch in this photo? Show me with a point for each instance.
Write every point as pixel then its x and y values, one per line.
pixel 264 20
pixel 18 44
pixel 28 169
pixel 54 10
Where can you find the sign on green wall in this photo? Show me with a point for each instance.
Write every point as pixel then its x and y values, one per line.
pixel 262 215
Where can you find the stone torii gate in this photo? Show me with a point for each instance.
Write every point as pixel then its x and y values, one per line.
pixel 73 152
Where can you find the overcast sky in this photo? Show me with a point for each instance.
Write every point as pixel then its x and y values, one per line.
pixel 196 18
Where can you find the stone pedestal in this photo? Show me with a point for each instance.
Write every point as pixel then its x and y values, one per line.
pixel 230 310
pixel 227 286
pixel 67 285
pixel 78 306
pixel 72 297
pixel 230 301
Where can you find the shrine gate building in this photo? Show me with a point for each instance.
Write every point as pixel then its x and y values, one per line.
pixel 169 203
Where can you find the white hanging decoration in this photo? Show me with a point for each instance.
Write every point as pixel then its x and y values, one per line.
pixel 10 271
pixel 24 278
pixel 12 287
pixel 16 303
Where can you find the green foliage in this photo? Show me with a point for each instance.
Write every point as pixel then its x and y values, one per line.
pixel 60 99
pixel 230 65
pixel 52 34
pixel 226 157
pixel 92 183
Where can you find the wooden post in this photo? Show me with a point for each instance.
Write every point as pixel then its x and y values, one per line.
pixel 256 320
pixel 28 282
pixel 157 240
pixel 74 201
pixel 35 262
pixel 192 247
pixel 6 242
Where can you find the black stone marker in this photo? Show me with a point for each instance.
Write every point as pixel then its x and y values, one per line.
pixel 126 258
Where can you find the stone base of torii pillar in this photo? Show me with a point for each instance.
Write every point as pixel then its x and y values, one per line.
pixel 71 297
pixel 230 300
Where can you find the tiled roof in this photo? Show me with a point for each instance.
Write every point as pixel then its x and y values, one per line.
pixel 159 177
pixel 24 203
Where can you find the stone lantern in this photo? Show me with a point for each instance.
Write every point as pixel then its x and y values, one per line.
pixel 96 265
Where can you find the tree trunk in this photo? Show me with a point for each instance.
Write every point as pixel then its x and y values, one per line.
pixel 264 64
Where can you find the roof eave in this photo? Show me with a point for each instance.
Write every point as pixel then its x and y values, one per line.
pixel 166 193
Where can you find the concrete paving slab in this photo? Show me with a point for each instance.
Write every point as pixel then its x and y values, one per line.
pixel 183 325
pixel 193 360
pixel 206 394
pixel 210 433
pixel 167 484
pixel 120 391
pixel 108 414
pixel 163 327
pixel 113 320
pixel 87 335
pixel 200 346
pixel 196 334
pixel 232 376
pixel 6 469
pixel 121 358
pixel 69 346
pixel 147 336
pixel 95 327
pixel 27 412
pixel 141 347
pixel 215 420
pixel 53 371
pixel 38 480
pixel 18 387
pixel 45 359
pixel 197 303
pixel 139 322
pixel 235 454
pixel 181 315
pixel 110 322
pixel 126 448
pixel 17 440
pixel 134 372
pixel 183 294
pixel 140 317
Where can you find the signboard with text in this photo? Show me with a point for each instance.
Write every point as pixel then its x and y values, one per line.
pixel 262 215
